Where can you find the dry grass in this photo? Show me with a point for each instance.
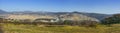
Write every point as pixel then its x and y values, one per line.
pixel 11 28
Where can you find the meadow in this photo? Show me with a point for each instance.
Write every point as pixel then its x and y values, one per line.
pixel 25 28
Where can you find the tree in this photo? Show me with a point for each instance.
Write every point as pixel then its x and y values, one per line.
pixel 88 23
pixel 115 19
pixel 67 22
pixel 1 19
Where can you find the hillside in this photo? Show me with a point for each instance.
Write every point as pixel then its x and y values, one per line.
pixel 92 15
pixel 2 11
pixel 77 17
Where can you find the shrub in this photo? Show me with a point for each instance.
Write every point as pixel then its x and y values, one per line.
pixel 88 23
pixel 67 22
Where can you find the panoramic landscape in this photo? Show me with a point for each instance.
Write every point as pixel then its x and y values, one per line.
pixel 59 16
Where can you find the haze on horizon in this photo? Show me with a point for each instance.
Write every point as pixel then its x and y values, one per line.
pixel 94 6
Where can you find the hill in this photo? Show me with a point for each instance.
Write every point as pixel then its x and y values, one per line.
pixel 93 15
pixel 2 11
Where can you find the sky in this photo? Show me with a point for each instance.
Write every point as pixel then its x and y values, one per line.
pixel 92 6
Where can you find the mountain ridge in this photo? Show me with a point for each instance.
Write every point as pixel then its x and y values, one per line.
pixel 2 11
pixel 93 15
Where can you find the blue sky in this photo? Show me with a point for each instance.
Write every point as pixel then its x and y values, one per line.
pixel 92 6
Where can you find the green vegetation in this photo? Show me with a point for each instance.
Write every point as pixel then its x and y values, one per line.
pixel 115 19
pixel 64 27
pixel 12 28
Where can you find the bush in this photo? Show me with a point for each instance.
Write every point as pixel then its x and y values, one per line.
pixel 87 23
pixel 67 22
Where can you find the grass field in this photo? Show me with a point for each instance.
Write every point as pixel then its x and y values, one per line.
pixel 12 28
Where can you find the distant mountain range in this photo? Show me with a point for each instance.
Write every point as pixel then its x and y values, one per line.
pixel 2 12
pixel 93 15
